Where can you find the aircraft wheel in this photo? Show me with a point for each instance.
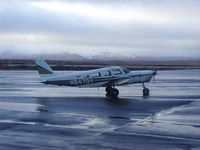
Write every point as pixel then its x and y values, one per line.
pixel 107 95
pixel 145 92
pixel 108 89
pixel 114 92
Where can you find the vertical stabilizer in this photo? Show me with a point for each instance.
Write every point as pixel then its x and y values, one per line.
pixel 43 67
pixel 44 70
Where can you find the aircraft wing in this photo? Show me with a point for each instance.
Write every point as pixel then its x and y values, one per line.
pixel 117 81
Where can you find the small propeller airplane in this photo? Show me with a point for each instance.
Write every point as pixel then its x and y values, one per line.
pixel 108 77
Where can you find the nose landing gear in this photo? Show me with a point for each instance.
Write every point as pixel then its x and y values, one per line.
pixel 145 91
pixel 112 92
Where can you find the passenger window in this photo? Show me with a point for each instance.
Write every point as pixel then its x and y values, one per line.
pixel 97 74
pixel 116 71
pixel 86 76
pixel 106 73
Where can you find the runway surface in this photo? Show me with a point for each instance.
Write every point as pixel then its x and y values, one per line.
pixel 36 116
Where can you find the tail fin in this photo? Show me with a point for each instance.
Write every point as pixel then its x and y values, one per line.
pixel 43 68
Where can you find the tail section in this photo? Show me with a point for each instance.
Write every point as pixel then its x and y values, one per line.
pixel 44 69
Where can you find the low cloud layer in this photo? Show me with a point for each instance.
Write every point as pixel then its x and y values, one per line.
pixel 135 28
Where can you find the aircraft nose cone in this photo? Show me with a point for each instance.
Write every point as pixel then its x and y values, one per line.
pixel 154 73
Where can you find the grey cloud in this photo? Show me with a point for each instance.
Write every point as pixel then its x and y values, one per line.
pixel 72 32
pixel 25 19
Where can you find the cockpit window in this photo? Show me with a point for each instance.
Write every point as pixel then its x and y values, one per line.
pixel 125 70
pixel 116 71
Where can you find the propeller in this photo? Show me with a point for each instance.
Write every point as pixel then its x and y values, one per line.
pixel 154 74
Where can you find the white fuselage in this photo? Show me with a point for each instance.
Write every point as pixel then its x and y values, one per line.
pixel 100 77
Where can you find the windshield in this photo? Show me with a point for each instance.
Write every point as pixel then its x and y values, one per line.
pixel 125 70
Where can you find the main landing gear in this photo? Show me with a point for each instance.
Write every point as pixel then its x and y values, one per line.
pixel 145 91
pixel 112 92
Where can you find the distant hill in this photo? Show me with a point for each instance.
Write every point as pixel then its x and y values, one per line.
pixel 91 63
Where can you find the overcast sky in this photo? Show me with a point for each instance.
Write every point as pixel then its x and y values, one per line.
pixel 124 27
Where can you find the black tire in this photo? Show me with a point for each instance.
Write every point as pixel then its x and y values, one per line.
pixel 107 95
pixel 145 92
pixel 114 92
pixel 108 89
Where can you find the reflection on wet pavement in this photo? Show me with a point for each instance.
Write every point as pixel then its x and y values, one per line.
pixel 36 116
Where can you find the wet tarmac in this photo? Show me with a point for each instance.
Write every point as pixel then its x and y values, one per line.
pixel 36 116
